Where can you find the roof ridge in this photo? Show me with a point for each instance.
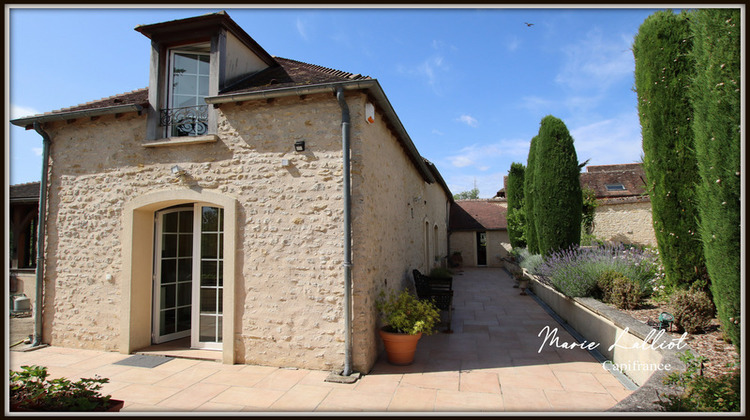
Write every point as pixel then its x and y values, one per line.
pixel 25 183
pixel 328 70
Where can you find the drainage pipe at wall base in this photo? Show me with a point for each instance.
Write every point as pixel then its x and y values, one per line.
pixel 345 140
pixel 42 223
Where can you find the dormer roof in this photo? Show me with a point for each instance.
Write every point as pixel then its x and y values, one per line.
pixel 202 27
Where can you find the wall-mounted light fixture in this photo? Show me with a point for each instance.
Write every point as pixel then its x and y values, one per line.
pixel 299 146
pixel 177 171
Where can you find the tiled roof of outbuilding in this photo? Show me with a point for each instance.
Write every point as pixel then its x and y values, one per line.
pixel 631 176
pixel 25 192
pixel 477 215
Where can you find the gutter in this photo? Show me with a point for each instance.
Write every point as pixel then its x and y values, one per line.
pixel 30 122
pixel 39 303
pixel 345 141
pixel 370 85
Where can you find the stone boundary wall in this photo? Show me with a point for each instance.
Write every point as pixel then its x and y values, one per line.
pixel 637 345
pixel 626 221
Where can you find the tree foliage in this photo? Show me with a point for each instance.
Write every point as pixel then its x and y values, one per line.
pixel 663 68
pixel 528 194
pixel 557 188
pixel 516 216
pixel 715 97
pixel 472 194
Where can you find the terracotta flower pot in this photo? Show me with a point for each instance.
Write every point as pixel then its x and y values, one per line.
pixel 400 347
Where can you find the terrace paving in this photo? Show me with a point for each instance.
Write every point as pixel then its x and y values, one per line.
pixel 492 362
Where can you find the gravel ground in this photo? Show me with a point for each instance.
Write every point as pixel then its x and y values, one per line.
pixel 708 344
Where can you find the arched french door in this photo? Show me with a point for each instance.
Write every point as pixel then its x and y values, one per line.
pixel 188 275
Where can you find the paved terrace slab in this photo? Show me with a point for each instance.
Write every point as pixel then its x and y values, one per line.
pixel 490 363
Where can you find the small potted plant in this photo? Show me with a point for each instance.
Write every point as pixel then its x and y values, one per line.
pixel 406 318
pixel 30 390
pixel 456 259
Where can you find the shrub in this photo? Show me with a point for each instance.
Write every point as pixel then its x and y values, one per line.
pixel 700 393
pixel 30 389
pixel 531 262
pixel 441 273
pixel 692 310
pixel 406 314
pixel 663 71
pixel 604 285
pixel 557 188
pixel 716 99
pixel 588 211
pixel 625 294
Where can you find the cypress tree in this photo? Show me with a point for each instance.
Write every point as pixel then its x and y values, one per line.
pixel 528 195
pixel 558 200
pixel 516 217
pixel 715 96
pixel 663 68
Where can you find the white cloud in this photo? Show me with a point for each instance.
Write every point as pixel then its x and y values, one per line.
pixel 468 120
pixel 437 132
pixel 610 141
pixel 301 29
pixel 17 111
pixel 513 43
pixel 596 62
pixel 488 184
pixel 483 157
pixel 37 150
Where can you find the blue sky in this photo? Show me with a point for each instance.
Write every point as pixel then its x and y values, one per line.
pixel 469 85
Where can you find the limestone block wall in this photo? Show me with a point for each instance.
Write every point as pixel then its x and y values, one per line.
pixel 625 221
pixel 466 243
pixel 395 214
pixel 289 286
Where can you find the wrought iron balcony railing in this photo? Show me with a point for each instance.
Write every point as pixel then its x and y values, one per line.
pixel 187 121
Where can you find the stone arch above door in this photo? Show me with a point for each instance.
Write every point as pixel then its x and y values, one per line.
pixel 138 242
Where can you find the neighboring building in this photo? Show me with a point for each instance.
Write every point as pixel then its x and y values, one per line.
pixel 23 220
pixel 624 208
pixel 479 231
pixel 623 213
pixel 209 207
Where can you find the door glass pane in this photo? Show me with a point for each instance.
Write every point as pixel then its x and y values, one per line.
pixel 209 245
pixel 168 271
pixel 185 246
pixel 208 327
pixel 184 294
pixel 208 273
pixel 210 219
pixel 168 324
pixel 169 245
pixel 170 223
pixel 168 296
pixel 185 270
pixel 186 221
pixel 183 318
pixel 208 300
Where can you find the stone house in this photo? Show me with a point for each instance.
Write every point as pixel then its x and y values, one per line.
pixel 479 231
pixel 23 220
pixel 623 212
pixel 210 209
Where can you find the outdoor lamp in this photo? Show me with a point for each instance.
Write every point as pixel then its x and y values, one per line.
pixel 177 171
pixel 299 146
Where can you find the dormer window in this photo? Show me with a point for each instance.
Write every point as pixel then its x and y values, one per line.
pixel 186 112
pixel 193 59
pixel 615 187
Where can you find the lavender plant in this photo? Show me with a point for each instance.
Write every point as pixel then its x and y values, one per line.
pixel 575 271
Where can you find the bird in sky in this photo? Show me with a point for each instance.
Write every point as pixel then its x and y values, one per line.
pixel 529 24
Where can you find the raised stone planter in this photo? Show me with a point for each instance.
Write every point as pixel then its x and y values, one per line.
pixel 643 354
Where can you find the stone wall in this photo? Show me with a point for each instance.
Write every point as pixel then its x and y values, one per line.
pixel 627 221
pixel 466 242
pixel 392 206
pixel 289 251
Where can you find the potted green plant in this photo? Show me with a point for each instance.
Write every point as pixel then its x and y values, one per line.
pixel 406 318
pixel 30 390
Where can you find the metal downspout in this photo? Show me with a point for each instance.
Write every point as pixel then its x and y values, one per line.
pixel 39 303
pixel 345 140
